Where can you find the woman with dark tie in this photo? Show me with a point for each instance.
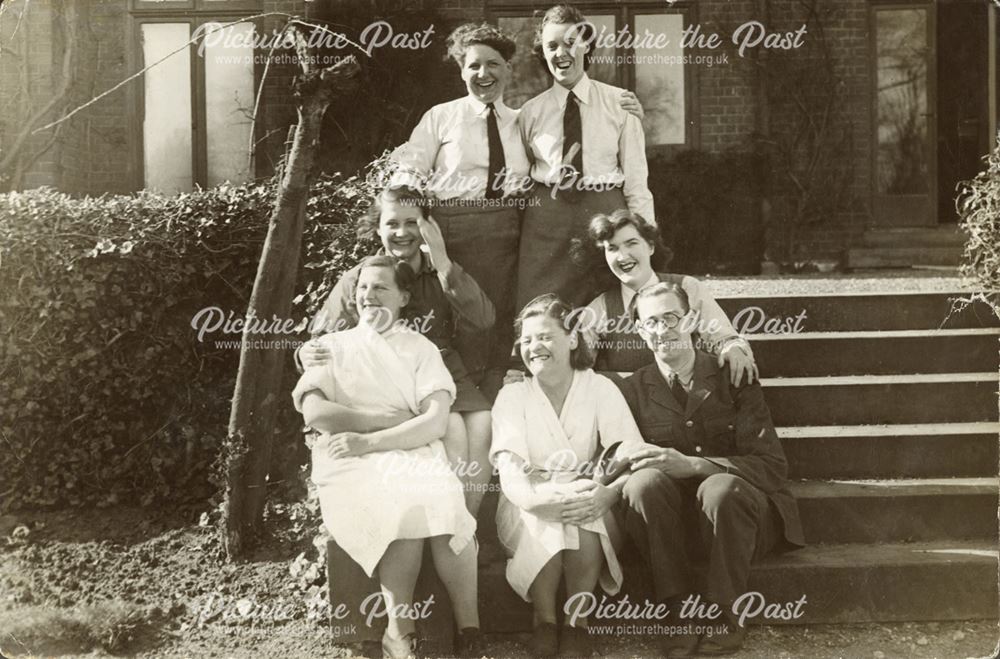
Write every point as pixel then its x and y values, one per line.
pixel 588 156
pixel 469 157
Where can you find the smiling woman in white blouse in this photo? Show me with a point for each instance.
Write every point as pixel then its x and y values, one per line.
pixel 469 157
pixel 588 156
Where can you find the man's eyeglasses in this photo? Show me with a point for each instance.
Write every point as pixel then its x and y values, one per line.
pixel 667 321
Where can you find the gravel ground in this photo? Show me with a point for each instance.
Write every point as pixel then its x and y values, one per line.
pixel 162 566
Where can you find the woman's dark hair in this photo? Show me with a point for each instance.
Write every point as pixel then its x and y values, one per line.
pixel 403 194
pixel 402 273
pixel 470 34
pixel 588 253
pixel 566 15
pixel 550 305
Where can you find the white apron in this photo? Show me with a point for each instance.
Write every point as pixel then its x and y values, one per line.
pixel 524 424
pixel 370 500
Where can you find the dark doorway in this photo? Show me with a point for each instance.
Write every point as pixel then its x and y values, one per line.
pixel 963 125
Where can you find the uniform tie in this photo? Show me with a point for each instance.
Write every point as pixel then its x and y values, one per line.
pixel 494 181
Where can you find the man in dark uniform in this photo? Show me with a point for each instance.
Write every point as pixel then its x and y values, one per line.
pixel 716 474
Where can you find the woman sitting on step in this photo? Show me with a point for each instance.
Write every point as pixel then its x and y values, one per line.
pixel 628 246
pixel 552 517
pixel 384 375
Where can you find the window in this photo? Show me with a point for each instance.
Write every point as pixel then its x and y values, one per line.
pixel 637 47
pixel 194 107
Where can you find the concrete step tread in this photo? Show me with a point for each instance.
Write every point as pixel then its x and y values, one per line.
pixel 855 555
pixel 877 334
pixel 850 380
pixel 891 430
pixel 851 556
pixel 906 487
pixel 888 295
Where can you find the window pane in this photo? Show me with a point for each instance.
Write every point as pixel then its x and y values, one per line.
pixel 659 78
pixel 901 45
pixel 167 122
pixel 530 76
pixel 602 63
pixel 229 94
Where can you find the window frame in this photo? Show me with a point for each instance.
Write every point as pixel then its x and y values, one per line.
pixel 172 13
pixel 625 13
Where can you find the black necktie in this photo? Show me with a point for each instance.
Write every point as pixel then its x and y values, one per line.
pixel 677 389
pixel 494 181
pixel 573 134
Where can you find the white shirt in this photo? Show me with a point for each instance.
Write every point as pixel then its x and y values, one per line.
pixel 448 153
pixel 614 145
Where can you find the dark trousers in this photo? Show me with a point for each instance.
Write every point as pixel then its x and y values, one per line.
pixel 484 241
pixel 723 518
pixel 550 225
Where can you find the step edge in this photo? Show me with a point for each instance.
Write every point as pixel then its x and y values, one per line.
pixel 890 430
pixel 856 380
pixel 876 334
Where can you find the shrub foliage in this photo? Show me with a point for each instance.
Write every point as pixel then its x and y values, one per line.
pixel 978 206
pixel 108 394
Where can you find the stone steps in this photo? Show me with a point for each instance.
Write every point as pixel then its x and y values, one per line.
pixel 906 510
pixel 882 399
pixel 851 312
pixel 873 352
pixel 921 450
pixel 942 580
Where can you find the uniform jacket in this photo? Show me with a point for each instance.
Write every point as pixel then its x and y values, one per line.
pixel 729 426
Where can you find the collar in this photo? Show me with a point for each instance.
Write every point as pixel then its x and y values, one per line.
pixel 685 373
pixel 581 89
pixel 628 293
pixel 425 261
pixel 479 108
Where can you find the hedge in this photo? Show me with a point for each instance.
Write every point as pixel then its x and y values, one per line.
pixel 108 395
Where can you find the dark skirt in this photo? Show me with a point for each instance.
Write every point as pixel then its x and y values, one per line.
pixel 468 398
pixel 483 239
pixel 549 226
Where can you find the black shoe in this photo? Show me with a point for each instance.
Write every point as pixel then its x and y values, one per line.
pixel 469 643
pixel 575 642
pixel 545 640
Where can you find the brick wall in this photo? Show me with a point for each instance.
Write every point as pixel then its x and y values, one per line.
pixel 27 80
pixel 94 151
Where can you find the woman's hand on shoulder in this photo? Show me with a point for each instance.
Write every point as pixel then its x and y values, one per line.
pixel 513 376
pixel 314 354
pixel 630 103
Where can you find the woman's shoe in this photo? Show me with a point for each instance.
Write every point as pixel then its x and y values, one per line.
pixel 575 642
pixel 545 640
pixel 469 643
pixel 399 648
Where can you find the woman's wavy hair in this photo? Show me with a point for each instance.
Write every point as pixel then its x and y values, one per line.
pixel 404 194
pixel 550 305
pixel 565 15
pixel 471 34
pixel 588 253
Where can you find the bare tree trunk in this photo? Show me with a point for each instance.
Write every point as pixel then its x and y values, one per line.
pixel 258 391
